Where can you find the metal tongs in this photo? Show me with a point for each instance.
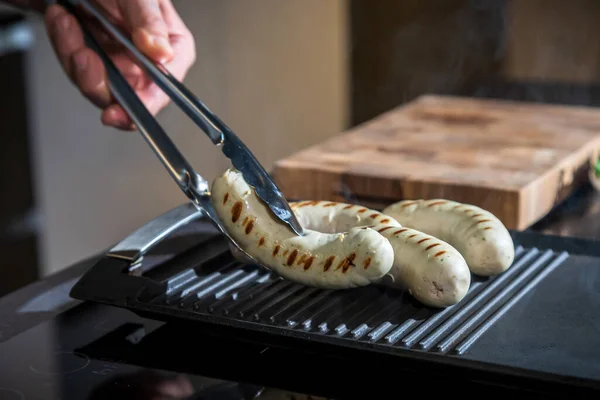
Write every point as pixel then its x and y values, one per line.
pixel 196 188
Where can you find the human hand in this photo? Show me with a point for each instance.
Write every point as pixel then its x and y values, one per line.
pixel 155 28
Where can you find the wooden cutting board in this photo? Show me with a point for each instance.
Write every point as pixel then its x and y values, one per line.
pixel 517 160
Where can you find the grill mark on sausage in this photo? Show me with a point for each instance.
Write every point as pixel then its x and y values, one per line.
pixel 362 210
pixel 245 221
pixel 437 203
pixel 413 235
pixel 349 206
pixel 367 262
pixel 302 258
pixel 236 211
pixel 423 240
pixel 468 211
pixel 261 241
pixel 250 226
pixel 292 257
pixel 384 229
pixel 431 246
pixel 385 221
pixel 487 227
pixel 309 203
pixel 374 215
pixel 329 204
pixel 476 215
pixel 439 253
pixel 225 198
pixel 276 250
pixel 346 263
pixel 400 231
pixel 410 203
pixel 457 207
pixel 285 252
pixel 328 263
pixel 483 220
pixel 350 261
pixel 308 262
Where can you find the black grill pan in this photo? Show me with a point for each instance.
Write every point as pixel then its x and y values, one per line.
pixel 536 326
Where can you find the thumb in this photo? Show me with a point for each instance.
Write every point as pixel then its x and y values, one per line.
pixel 148 28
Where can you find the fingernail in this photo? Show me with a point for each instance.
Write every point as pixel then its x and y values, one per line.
pixel 161 42
pixel 81 61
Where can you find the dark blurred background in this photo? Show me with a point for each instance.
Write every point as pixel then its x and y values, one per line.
pixel 289 73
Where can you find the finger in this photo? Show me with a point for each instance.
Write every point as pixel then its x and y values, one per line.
pixel 81 65
pixel 172 19
pixel 153 98
pixel 151 95
pixel 116 117
pixel 88 75
pixel 186 56
pixel 148 28
pixel 148 93
pixel 130 70
pixel 181 38
pixel 64 34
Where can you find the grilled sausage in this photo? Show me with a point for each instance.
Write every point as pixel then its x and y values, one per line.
pixel 433 271
pixel 345 260
pixel 331 217
pixel 477 234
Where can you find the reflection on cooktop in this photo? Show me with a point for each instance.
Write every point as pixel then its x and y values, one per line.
pixel 95 352
pixel 66 362
pixel 144 385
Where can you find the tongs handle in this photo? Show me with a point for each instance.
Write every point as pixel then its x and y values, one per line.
pixel 190 104
pixel 150 129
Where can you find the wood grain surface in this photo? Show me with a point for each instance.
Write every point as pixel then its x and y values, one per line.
pixel 517 160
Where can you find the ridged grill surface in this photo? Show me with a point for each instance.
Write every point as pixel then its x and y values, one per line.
pixel 372 314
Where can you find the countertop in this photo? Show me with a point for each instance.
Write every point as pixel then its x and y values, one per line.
pixel 576 217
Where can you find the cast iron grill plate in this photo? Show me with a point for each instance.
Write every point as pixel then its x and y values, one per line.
pixel 222 287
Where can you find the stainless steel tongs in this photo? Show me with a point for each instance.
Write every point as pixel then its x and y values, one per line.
pixel 196 188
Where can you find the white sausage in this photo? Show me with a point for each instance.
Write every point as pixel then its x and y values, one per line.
pixel 345 260
pixel 477 234
pixel 433 271
pixel 331 217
